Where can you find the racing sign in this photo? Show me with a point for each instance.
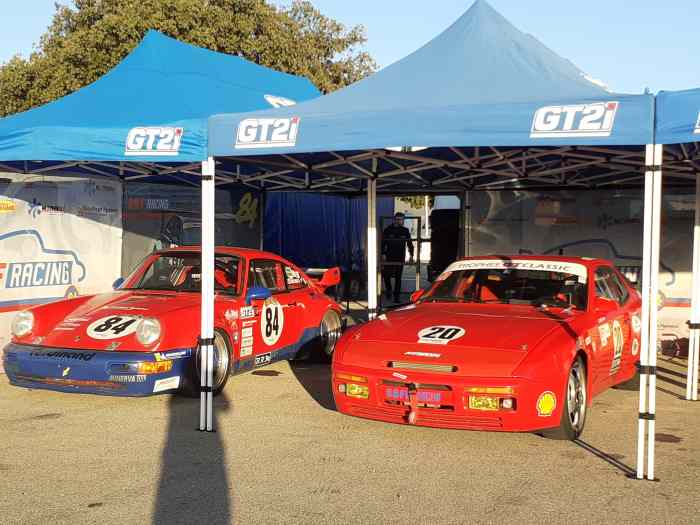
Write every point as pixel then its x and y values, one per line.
pixel 150 141
pixel 267 133
pixel 576 120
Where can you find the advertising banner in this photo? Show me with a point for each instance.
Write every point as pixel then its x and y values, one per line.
pixel 60 236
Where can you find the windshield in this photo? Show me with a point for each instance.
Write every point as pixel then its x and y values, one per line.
pixel 181 272
pixel 510 286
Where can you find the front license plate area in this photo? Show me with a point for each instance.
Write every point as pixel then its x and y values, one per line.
pixel 483 403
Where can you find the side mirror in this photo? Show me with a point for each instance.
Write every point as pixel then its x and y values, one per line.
pixel 417 295
pixel 603 305
pixel 257 293
pixel 118 283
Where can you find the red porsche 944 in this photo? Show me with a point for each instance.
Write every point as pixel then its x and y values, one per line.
pixel 141 339
pixel 517 343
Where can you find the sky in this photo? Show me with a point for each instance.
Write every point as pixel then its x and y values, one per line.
pixel 628 45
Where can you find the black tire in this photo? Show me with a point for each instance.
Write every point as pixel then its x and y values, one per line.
pixel 321 347
pixel 223 360
pixel 575 396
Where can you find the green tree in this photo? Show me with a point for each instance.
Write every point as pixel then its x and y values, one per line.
pixel 89 37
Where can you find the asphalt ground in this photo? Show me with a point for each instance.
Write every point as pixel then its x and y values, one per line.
pixel 282 454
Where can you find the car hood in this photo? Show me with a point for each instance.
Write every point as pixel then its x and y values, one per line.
pixel 72 331
pixel 495 338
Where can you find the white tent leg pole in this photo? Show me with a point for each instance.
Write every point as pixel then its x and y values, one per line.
pixel 653 308
pixel 372 246
pixel 646 299
pixel 691 392
pixel 207 312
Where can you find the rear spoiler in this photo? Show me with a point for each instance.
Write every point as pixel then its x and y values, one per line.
pixel 329 276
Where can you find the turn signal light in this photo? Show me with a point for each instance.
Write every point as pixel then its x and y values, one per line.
pixel 155 367
pixel 490 390
pixel 350 377
pixel 359 391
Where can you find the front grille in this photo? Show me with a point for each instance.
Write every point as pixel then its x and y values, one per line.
pixel 430 367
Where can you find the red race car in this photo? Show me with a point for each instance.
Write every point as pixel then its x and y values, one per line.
pixel 142 338
pixel 496 343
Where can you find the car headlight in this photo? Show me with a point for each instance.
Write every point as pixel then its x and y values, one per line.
pixel 22 324
pixel 148 331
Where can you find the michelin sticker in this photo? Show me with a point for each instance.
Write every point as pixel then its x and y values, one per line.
pixel 440 335
pixel 272 321
pixel 113 327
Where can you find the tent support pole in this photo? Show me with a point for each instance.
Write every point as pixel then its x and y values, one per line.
pixel 650 291
pixel 372 244
pixel 261 215
pixel 207 310
pixel 691 392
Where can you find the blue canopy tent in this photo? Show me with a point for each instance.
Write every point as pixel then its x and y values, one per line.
pixel 482 106
pixel 678 129
pixel 147 117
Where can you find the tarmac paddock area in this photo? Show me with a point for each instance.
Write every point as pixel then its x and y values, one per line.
pixel 282 454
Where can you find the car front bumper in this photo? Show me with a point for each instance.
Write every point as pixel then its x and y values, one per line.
pixel 442 400
pixel 92 372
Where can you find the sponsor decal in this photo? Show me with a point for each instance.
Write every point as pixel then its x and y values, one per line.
pixel 399 375
pixel 440 335
pixel 272 323
pixel 36 208
pixel 588 340
pixel 263 359
pixel 576 269
pixel 74 356
pixel 636 324
pixel 423 354
pixel 250 323
pixel 247 332
pixel 112 327
pixel 575 120
pixel 247 312
pixel 604 333
pixel 45 273
pixel 697 125
pixel 7 205
pixel 267 133
pixel 128 379
pixel 153 141
pixel 142 203
pixel 246 346
pixel 65 372
pixel 618 345
pixel 174 354
pixel 231 315
pixel 635 347
pixel 169 383
pixel 95 211
pixel 113 346
pixel 546 404
pixel 279 102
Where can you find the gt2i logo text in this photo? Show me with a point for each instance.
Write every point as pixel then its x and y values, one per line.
pixel 576 120
pixel 158 141
pixel 267 133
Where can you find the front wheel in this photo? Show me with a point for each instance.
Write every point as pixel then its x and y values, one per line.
pixel 573 415
pixel 222 367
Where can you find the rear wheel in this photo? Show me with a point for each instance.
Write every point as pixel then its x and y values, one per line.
pixel 222 366
pixel 321 347
pixel 573 416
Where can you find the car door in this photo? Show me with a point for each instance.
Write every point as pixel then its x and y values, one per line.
pixel 277 317
pixel 612 331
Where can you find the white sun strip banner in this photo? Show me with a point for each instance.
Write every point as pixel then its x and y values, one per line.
pixel 521 264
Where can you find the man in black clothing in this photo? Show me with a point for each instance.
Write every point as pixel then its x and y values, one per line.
pixel 395 239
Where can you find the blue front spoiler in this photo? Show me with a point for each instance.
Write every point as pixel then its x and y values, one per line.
pixel 93 372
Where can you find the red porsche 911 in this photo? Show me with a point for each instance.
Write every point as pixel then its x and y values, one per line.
pixel 517 343
pixel 141 339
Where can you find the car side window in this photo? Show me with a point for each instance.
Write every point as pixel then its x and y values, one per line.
pixel 622 291
pixel 294 280
pixel 607 285
pixel 268 274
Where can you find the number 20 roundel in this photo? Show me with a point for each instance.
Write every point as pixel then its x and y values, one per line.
pixel 440 335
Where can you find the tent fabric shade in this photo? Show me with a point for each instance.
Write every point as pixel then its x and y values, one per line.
pixel 162 86
pixel 482 82
pixel 678 117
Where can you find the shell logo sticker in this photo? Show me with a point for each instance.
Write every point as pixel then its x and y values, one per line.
pixel 440 335
pixel 272 321
pixel 546 404
pixel 113 327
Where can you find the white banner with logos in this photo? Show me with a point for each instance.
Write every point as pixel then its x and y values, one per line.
pixel 59 236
